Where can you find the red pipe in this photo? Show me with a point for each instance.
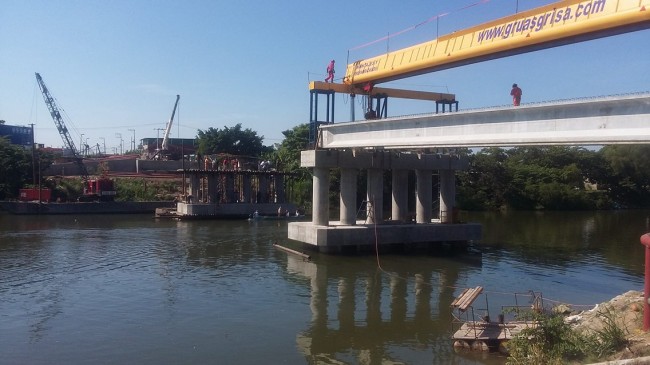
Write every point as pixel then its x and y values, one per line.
pixel 645 240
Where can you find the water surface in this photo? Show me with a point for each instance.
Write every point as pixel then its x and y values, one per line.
pixel 131 289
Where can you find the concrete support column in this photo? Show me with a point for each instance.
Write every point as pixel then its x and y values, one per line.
pixel 348 209
pixel 212 189
pixel 399 205
pixel 195 183
pixel 447 195
pixel 263 193
pixel 374 196
pixel 320 196
pixel 230 187
pixel 423 199
pixel 278 181
pixel 246 187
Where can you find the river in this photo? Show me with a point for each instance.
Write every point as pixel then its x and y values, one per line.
pixel 129 289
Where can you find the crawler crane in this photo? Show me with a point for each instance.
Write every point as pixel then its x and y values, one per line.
pixel 101 189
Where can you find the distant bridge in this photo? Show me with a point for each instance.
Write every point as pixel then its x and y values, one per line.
pixel 623 119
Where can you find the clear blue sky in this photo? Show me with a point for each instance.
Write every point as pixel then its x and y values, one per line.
pixel 117 65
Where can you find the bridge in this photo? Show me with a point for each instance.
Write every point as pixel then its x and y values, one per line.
pixel 596 121
pixel 407 148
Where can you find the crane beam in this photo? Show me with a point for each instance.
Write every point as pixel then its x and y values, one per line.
pixel 556 24
pixel 395 93
pixel 168 128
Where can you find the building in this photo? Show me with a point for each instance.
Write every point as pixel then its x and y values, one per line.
pixel 177 147
pixel 18 135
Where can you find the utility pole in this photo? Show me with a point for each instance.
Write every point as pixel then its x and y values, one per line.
pixel 104 143
pixel 158 138
pixel 119 135
pixel 133 130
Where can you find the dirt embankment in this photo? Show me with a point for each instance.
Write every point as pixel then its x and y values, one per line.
pixel 626 310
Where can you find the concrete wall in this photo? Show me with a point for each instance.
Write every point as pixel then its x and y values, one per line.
pixel 126 165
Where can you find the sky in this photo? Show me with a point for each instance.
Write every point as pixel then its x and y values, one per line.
pixel 115 67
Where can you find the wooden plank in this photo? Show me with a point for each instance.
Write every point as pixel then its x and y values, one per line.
pixel 466 299
pixel 455 302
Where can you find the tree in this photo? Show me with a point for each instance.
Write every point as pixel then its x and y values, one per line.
pixel 484 185
pixel 15 162
pixel 287 155
pixel 629 181
pixel 233 141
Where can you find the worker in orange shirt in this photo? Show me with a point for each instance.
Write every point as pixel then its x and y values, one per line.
pixel 516 95
pixel 330 72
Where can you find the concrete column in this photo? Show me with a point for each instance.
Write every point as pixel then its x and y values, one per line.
pixel 423 199
pixel 399 205
pixel 230 188
pixel 264 189
pixel 246 187
pixel 374 196
pixel 194 187
pixel 212 189
pixel 447 195
pixel 279 189
pixel 320 196
pixel 348 209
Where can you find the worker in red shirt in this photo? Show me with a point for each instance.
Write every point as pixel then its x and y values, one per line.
pixel 516 95
pixel 330 72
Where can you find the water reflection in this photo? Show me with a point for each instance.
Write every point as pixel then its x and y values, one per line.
pixel 359 313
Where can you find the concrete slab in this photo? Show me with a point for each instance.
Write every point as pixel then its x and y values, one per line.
pixel 337 238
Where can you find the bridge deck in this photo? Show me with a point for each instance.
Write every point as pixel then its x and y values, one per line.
pixel 598 121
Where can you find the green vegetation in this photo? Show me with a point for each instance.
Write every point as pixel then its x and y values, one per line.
pixel 520 178
pixel 555 342
pixel 556 178
pixel 232 141
pixel 16 168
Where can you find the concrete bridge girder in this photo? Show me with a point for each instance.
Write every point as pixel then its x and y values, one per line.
pixel 598 121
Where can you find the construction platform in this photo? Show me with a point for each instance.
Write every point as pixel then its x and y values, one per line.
pixel 227 211
pixel 482 336
pixel 359 238
pixel 478 333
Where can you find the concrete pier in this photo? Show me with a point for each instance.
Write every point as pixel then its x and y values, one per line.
pixel 350 234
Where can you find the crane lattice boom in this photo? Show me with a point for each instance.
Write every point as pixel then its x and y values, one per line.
pixel 168 128
pixel 60 126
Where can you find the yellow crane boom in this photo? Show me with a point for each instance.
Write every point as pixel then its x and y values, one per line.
pixel 556 24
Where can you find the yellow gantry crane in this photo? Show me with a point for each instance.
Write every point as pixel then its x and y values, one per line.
pixel 556 24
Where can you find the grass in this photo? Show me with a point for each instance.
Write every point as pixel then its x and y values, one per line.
pixel 555 342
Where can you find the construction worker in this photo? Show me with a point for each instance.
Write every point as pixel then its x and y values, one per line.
pixel 330 72
pixel 516 95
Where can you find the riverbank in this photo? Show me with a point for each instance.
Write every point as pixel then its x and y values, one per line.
pixel 627 312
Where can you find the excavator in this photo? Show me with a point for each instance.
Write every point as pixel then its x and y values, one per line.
pixel 96 189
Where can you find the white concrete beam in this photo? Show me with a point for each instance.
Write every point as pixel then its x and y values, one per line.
pixel 599 121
